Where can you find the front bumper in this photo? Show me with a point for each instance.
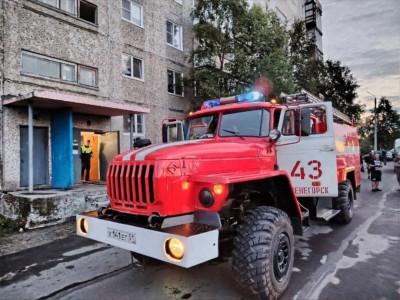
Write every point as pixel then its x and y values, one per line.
pixel 200 240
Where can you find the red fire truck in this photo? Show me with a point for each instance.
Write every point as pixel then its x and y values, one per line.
pixel 240 171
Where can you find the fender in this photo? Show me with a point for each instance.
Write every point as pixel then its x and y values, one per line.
pixel 231 178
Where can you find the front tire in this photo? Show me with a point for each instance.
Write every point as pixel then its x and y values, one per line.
pixel 345 202
pixel 263 252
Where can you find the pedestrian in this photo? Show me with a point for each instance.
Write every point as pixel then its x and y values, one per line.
pixel 86 155
pixel 376 173
pixel 368 160
pixel 384 156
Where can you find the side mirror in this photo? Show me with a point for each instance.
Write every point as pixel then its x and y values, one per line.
pixel 274 135
pixel 172 131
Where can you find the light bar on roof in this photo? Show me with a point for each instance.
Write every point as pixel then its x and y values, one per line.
pixel 248 97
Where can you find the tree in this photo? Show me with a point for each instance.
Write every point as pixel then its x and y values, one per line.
pixel 308 69
pixel 339 86
pixel 388 125
pixel 235 46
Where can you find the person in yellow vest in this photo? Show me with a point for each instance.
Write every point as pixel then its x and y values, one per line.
pixel 86 155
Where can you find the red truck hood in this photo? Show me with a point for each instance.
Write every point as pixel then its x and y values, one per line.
pixel 195 149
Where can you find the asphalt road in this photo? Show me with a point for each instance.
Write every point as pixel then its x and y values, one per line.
pixel 360 260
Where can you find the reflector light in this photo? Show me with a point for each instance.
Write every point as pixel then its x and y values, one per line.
pixel 316 183
pixel 83 226
pixel 248 97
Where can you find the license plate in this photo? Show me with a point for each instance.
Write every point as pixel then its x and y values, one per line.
pixel 122 236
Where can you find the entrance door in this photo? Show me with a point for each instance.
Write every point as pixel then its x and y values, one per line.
pixel 109 147
pixel 104 146
pixel 40 156
pixel 76 151
pixel 94 161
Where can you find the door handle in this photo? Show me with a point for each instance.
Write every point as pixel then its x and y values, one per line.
pixel 326 149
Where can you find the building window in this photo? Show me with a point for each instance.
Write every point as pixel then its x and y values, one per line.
pixel 47 68
pixel 82 9
pixel 174 35
pixel 281 16
pixel 132 67
pixel 68 72
pixel 87 76
pixel 138 124
pixel 88 12
pixel 132 12
pixel 56 69
pixel 175 83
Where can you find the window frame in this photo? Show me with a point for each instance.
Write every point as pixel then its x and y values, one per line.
pixel 80 67
pixel 76 13
pixel 180 46
pixel 60 63
pixel 132 58
pixel 174 83
pixel 131 3
pixel 135 132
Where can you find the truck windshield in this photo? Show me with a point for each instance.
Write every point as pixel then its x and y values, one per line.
pixel 245 123
pixel 204 127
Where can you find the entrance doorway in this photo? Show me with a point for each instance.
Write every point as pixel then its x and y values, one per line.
pixel 104 147
pixel 40 156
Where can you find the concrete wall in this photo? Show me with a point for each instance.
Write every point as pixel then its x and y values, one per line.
pixel 34 27
pixel 292 9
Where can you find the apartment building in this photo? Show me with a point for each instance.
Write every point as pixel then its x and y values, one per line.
pixel 74 70
pixel 104 71
pixel 289 10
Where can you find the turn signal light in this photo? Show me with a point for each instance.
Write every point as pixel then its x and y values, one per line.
pixel 185 186
pixel 174 249
pixel 218 189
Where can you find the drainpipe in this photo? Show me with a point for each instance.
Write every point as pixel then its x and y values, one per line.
pixel 131 130
pixel 30 145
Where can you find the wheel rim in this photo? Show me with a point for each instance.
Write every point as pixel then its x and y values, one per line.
pixel 350 203
pixel 281 257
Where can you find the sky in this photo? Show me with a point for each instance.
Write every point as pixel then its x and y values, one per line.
pixel 364 35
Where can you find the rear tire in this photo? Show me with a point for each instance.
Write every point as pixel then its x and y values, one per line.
pixel 345 202
pixel 263 252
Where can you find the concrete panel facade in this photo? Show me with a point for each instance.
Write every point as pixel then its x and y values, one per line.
pixel 36 28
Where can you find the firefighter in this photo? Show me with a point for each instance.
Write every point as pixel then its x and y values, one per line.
pixel 86 155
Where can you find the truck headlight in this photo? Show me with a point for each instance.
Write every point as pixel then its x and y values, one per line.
pixel 174 249
pixel 83 226
pixel 206 197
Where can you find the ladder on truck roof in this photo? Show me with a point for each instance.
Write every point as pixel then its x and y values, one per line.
pixel 306 97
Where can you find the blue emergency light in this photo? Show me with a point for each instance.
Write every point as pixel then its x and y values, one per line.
pixel 248 97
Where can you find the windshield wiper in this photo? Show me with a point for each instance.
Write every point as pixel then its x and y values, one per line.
pixel 235 133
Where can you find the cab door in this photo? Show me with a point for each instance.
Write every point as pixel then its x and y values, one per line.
pixel 306 149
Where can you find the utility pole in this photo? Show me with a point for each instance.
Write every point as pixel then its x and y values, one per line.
pixel 375 133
